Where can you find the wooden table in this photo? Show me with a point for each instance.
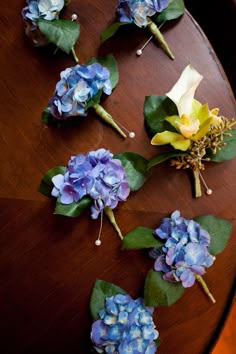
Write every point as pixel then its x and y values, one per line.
pixel 48 263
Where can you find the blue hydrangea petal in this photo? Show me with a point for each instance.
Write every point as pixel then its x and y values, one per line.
pixel 187 278
pixel 99 332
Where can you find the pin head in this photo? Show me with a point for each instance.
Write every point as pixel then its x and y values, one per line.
pixel 98 242
pixel 139 52
pixel 209 191
pixel 132 135
pixel 74 17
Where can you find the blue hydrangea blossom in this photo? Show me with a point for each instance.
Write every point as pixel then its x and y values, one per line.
pixel 77 86
pixel 45 9
pixel 137 12
pixel 185 252
pixel 125 326
pixel 97 175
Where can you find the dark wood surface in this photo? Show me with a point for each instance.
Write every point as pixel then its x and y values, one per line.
pixel 48 263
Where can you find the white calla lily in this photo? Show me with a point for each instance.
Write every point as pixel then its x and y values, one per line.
pixel 182 93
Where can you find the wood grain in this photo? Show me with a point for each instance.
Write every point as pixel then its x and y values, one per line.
pixel 48 263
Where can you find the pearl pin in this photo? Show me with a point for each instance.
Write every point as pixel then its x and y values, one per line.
pixel 98 242
pixel 74 17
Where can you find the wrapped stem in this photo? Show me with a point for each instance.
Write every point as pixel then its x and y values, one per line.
pixel 109 213
pixel 159 37
pixel 197 184
pixel 107 118
pixel 74 55
pixel 205 288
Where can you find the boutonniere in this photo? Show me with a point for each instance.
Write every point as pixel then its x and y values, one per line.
pixel 97 180
pixel 183 249
pixel 43 26
pixel 121 324
pixel 79 89
pixel 151 14
pixel 195 132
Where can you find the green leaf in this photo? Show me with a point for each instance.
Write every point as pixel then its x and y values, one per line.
pixel 45 117
pixel 135 167
pixel 227 152
pixel 111 30
pixel 140 237
pixel 163 157
pixel 159 292
pixel 46 184
pixel 101 290
pixel 110 63
pixel 73 209
pixel 219 230
pixel 62 33
pixel 156 109
pixel 174 10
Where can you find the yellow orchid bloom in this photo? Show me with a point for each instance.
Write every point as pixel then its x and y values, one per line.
pixel 193 119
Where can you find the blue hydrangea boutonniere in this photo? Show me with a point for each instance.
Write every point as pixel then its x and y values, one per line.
pixel 43 26
pixel 151 14
pixel 183 249
pixel 97 180
pixel 79 89
pixel 121 324
pixel 195 133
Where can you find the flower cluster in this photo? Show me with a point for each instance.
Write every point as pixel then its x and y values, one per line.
pixel 138 11
pixel 45 9
pixel 77 87
pixel 96 175
pixel 185 253
pixel 198 128
pixel 125 327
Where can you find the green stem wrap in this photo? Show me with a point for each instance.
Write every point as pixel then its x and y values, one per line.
pixel 107 118
pixel 205 288
pixel 111 217
pixel 197 184
pixel 74 55
pixel 159 37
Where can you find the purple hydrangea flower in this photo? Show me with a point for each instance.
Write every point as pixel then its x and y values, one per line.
pixel 139 11
pixel 46 9
pixel 185 252
pixel 77 86
pixel 125 327
pixel 97 175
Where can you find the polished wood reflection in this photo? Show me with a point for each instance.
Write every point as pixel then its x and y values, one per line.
pixel 48 263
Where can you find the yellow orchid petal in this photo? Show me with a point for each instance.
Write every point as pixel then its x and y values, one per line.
pixel 174 121
pixel 183 91
pixel 196 105
pixel 165 137
pixel 181 144
pixel 203 130
pixel 203 113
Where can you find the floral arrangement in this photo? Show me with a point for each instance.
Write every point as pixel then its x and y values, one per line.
pixel 80 88
pixel 121 324
pixel 182 250
pixel 98 179
pixel 196 133
pixel 43 26
pixel 146 13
